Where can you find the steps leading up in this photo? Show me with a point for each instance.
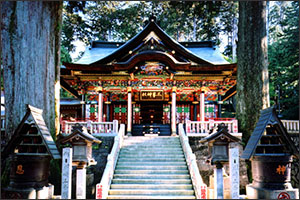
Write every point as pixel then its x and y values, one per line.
pixel 151 168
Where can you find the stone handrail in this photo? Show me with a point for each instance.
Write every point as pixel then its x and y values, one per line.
pixel 292 126
pixel 93 127
pixel 202 128
pixel 103 187
pixel 199 186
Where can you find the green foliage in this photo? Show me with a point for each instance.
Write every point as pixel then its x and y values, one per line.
pixel 55 175
pixel 65 55
pixel 65 94
pixel 283 56
pixel 5 172
pixel 121 20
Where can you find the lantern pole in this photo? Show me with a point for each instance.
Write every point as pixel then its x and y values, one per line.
pixel 81 181
pixel 218 181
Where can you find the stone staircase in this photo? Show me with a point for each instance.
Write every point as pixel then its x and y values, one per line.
pixel 151 168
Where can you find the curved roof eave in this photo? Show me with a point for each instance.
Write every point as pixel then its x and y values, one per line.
pixel 152 26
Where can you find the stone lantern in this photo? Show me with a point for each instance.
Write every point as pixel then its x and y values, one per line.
pixel 219 145
pixel 81 141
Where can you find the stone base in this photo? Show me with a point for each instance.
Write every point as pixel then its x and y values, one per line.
pixel 261 193
pixel 27 193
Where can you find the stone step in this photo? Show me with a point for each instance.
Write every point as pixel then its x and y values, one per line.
pixel 154 147
pixel 151 176
pixel 153 186
pixel 151 181
pixel 124 155
pixel 152 138
pixel 183 167
pixel 149 159
pixel 151 145
pixel 149 197
pixel 156 171
pixel 150 192
pixel 151 164
pixel 149 152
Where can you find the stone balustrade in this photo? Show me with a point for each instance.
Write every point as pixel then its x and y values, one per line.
pixel 202 128
pixel 292 126
pixel 199 186
pixel 103 187
pixel 95 128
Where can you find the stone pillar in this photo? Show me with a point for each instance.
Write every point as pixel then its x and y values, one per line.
pixel 173 120
pixel 81 182
pixel 234 170
pixel 218 181
pixel 202 107
pixel 129 111
pixel 66 178
pixel 100 106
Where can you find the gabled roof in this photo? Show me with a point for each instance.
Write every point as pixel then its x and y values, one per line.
pixel 43 131
pixel 276 129
pixel 190 56
pixel 78 132
pixel 222 133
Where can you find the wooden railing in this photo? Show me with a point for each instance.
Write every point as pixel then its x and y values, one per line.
pixel 103 187
pixel 199 186
pixel 93 127
pixel 202 128
pixel 292 126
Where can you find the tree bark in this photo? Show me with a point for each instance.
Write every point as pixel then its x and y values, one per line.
pixel 252 73
pixel 30 44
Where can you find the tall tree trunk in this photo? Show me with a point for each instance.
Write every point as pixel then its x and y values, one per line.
pixel 252 73
pixel 31 59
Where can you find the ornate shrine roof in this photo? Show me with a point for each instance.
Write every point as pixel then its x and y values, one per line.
pixel 204 50
pixel 152 43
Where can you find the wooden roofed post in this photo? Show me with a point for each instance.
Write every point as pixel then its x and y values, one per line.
pixel 30 32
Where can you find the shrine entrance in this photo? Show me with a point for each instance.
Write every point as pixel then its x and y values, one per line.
pixel 152 113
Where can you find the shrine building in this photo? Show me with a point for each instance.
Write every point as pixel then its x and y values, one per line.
pixel 149 80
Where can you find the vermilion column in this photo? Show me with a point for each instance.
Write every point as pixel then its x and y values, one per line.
pixel 129 113
pixel 173 118
pixel 202 107
pixel 100 106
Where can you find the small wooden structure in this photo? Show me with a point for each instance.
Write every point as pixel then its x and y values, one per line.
pixel 31 148
pixel 270 150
